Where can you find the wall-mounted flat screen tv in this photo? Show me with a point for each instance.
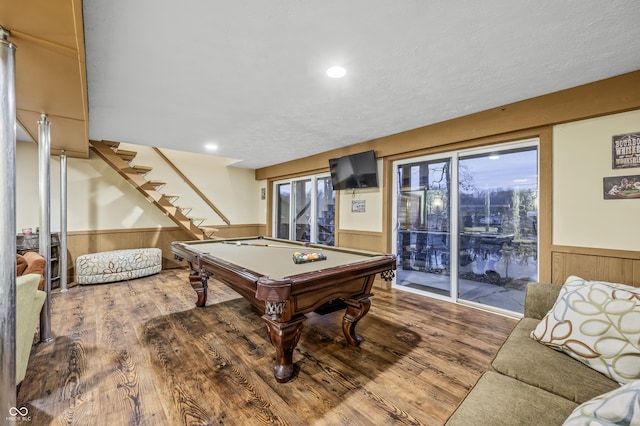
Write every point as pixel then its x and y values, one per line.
pixel 354 171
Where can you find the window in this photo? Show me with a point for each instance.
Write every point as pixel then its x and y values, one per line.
pixel 304 210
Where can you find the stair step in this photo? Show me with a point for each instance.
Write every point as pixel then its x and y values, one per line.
pixel 126 155
pixel 197 220
pixel 111 144
pixel 168 205
pixel 171 197
pixel 142 170
pixel 169 210
pixel 208 231
pixel 184 210
pixel 188 224
pixel 150 188
pixel 154 184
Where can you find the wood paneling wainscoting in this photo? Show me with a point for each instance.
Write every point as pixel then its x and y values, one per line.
pixel 361 240
pixel 364 240
pixel 83 242
pixel 618 266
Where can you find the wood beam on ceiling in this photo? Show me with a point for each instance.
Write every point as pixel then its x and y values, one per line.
pixel 50 70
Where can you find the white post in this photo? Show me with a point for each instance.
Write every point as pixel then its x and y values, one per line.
pixel 7 224
pixel 62 264
pixel 44 162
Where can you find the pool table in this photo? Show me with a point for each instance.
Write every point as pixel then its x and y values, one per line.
pixel 264 271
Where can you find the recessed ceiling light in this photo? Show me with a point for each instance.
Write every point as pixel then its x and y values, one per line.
pixel 336 72
pixel 211 147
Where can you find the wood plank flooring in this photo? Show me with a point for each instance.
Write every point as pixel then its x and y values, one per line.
pixel 140 353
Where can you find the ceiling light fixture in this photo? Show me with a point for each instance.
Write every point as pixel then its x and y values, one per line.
pixel 336 72
pixel 211 147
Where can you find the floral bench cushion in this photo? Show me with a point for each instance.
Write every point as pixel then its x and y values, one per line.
pixel 117 265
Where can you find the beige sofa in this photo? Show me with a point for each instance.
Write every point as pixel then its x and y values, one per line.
pixel 29 302
pixel 529 383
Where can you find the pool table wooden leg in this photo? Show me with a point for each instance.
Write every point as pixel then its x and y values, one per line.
pixel 284 337
pixel 199 282
pixel 356 309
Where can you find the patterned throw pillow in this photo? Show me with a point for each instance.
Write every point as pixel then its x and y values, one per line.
pixel 597 323
pixel 619 407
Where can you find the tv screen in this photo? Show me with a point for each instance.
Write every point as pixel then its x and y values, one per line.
pixel 354 171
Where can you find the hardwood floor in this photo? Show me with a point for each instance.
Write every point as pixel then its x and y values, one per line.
pixel 141 353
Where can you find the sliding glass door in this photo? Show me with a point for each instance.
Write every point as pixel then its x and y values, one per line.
pixel 466 224
pixel 498 193
pixel 423 237
pixel 325 218
pixel 282 214
pixel 302 211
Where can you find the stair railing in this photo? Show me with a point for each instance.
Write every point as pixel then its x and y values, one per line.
pixel 192 186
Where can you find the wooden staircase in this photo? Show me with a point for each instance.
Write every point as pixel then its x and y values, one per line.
pixel 120 160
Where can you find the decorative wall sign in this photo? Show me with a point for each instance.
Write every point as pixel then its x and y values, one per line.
pixel 621 187
pixel 626 150
pixel 358 206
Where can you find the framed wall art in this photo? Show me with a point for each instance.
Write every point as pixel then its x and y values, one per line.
pixel 621 187
pixel 625 150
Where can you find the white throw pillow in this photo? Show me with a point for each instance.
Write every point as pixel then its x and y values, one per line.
pixel 620 407
pixel 597 323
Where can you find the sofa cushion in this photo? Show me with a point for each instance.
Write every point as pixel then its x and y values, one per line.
pixel 21 264
pixel 539 299
pixel 502 400
pixel 618 407
pixel 597 323
pixel 36 264
pixel 525 359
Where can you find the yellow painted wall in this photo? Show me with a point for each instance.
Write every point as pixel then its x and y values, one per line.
pixel 371 218
pixel 582 157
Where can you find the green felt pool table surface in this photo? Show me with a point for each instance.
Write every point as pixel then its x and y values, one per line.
pixel 274 258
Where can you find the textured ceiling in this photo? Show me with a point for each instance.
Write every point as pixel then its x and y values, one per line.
pixel 249 75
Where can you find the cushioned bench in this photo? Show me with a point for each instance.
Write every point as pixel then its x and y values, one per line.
pixel 117 265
